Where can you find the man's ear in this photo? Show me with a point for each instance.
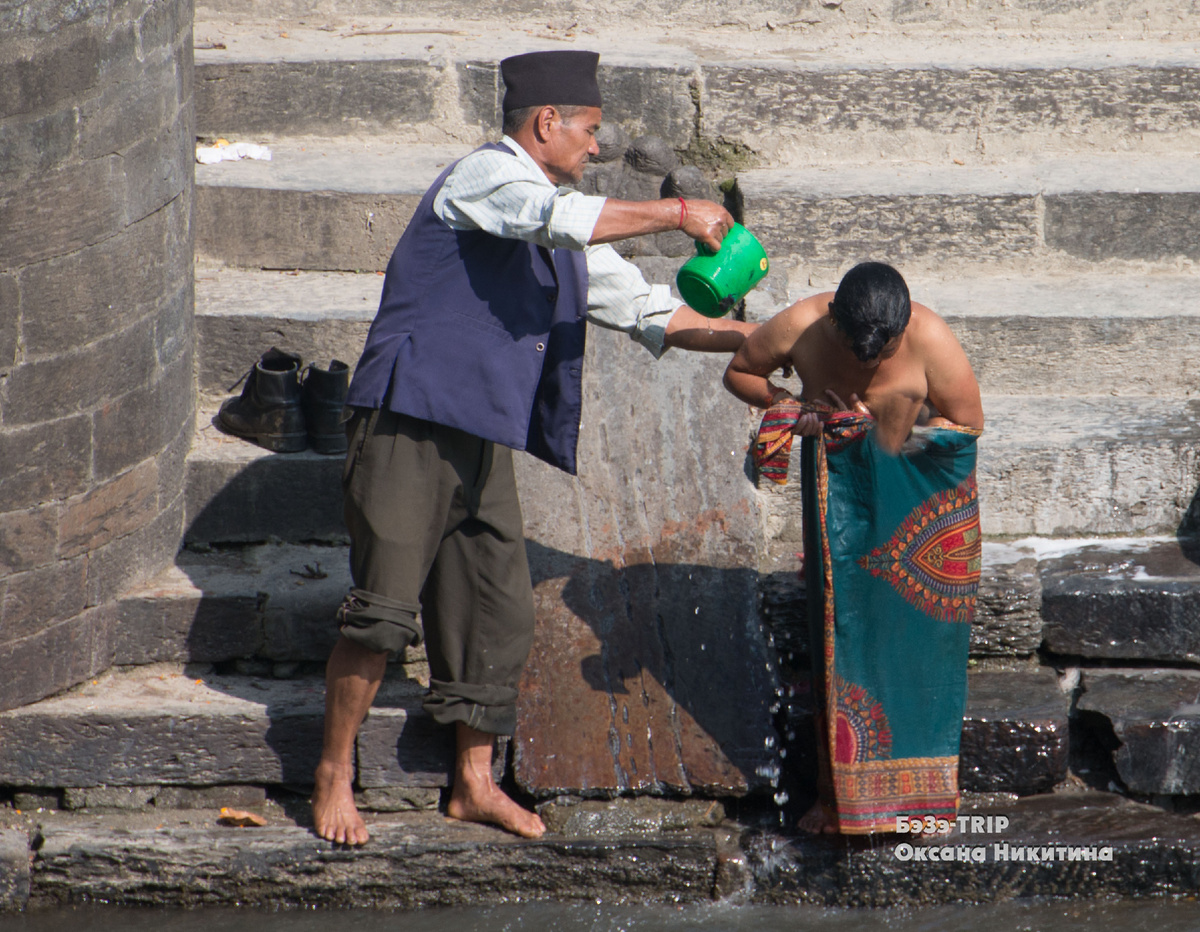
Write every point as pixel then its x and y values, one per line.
pixel 542 122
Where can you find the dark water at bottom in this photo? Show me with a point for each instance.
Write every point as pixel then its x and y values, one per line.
pixel 1013 916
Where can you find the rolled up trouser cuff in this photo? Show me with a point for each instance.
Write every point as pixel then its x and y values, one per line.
pixel 490 709
pixel 379 624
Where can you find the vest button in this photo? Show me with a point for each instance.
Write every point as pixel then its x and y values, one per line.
pixel 540 347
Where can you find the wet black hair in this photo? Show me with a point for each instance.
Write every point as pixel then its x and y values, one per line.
pixel 871 306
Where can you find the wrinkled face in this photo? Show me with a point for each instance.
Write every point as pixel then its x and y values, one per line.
pixel 569 144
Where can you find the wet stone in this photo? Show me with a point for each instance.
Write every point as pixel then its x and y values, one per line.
pixel 1138 603
pixel 1015 733
pixel 629 817
pixel 1154 716
pixel 1152 853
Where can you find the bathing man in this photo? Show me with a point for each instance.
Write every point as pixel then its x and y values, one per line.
pixel 477 350
pixel 891 525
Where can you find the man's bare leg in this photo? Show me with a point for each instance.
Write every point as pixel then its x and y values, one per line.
pixel 352 678
pixel 476 797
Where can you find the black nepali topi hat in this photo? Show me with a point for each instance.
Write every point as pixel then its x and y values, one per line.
pixel 565 77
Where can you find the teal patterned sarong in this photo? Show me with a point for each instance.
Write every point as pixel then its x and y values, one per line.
pixel 892 561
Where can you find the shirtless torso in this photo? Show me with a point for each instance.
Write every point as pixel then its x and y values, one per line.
pixel 924 365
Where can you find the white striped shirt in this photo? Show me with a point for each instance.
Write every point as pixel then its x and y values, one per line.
pixel 512 197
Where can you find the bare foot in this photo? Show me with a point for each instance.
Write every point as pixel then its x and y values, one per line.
pixel 335 816
pixel 818 821
pixel 488 803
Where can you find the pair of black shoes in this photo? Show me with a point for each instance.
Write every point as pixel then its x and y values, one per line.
pixel 285 408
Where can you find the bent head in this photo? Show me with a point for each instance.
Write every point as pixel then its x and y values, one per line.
pixel 561 137
pixel 552 108
pixel 871 309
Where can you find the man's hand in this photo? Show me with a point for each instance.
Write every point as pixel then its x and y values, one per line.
pixel 705 221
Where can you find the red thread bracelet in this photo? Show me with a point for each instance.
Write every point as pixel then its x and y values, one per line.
pixel 682 213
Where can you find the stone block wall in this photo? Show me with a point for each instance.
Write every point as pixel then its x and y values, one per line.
pixel 96 330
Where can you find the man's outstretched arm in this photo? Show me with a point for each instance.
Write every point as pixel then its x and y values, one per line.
pixel 705 221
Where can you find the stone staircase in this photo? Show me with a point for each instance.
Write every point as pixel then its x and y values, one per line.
pixel 1037 189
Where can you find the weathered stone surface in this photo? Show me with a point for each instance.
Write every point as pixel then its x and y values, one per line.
pixel 160 726
pixel 10 316
pixel 35 600
pixel 237 491
pixel 1153 853
pixel 649 669
pixel 651 155
pixel 254 228
pixel 646 98
pixel 758 103
pixel 1153 716
pixel 130 560
pixel 24 479
pixel 398 798
pixel 791 221
pixel 33 801
pixel 145 420
pixel 1132 600
pixel 86 295
pixel 1140 225
pixel 36 222
pixel 612 140
pixel 172 618
pixel 14 870
pixel 110 511
pixel 109 797
pixel 318 315
pixel 834 215
pixel 54 659
pixel 689 182
pixel 1015 733
pixel 28 539
pixel 209 797
pixel 405 866
pixel 313 97
pixel 399 745
pixel 59 386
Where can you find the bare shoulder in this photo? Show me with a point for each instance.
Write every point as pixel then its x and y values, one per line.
pixel 931 335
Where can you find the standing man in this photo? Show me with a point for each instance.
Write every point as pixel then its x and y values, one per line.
pixel 477 350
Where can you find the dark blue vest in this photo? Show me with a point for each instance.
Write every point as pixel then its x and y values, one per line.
pixel 480 333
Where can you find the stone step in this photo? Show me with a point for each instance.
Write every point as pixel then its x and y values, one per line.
pixel 271 602
pixel 562 19
pixel 1015 737
pixel 1124 600
pixel 1150 721
pixel 329 204
pixel 237 492
pixel 1050 467
pixel 1090 207
pixel 341 204
pixel 241 313
pixel 1072 467
pixel 164 725
pixel 978 99
pixel 1048 333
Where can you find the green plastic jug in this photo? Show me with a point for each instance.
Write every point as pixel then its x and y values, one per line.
pixel 712 283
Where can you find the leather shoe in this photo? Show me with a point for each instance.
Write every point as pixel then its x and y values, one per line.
pixel 268 411
pixel 323 399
